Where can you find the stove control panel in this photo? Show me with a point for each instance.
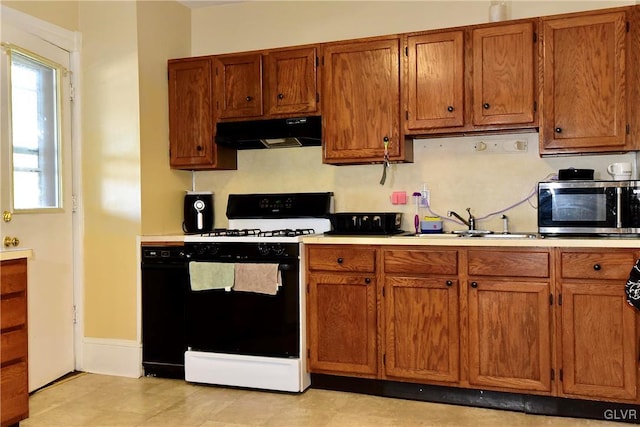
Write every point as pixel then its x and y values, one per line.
pixel 283 205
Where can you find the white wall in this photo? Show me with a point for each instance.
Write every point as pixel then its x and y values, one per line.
pixel 457 176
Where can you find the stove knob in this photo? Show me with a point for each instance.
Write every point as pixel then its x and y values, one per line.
pixel 278 250
pixel 263 249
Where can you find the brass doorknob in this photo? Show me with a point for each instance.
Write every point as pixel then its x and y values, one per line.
pixel 7 216
pixel 11 241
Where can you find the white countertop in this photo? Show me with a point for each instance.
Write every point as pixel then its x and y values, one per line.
pixel 441 240
pixel 10 254
pixel 453 240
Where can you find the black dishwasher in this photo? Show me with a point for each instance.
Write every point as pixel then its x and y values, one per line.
pixel 164 282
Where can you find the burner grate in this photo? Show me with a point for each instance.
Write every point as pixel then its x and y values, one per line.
pixel 287 232
pixel 218 232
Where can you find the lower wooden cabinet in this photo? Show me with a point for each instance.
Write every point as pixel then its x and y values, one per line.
pixel 598 329
pixel 510 334
pixel 14 393
pixel 547 321
pixel 342 324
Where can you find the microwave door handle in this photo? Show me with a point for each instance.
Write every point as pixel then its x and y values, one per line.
pixel 618 207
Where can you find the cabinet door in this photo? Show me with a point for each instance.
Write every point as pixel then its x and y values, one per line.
pixel 361 104
pixel 584 83
pixel 291 81
pixel 503 70
pixel 509 334
pixel 238 86
pixel 598 341
pixel 342 324
pixel 435 80
pixel 191 118
pixel 422 328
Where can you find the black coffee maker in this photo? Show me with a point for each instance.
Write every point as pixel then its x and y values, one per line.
pixel 198 212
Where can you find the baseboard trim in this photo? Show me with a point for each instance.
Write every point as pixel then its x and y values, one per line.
pixel 530 404
pixel 121 358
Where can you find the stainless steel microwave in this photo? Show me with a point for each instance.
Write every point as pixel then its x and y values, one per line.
pixel 589 207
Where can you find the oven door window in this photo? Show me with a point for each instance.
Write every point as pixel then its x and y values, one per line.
pixel 579 207
pixel 247 323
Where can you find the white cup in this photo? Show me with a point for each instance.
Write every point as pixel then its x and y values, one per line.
pixel 620 171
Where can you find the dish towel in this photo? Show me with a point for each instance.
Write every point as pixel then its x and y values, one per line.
pixel 259 278
pixel 211 275
pixel 632 288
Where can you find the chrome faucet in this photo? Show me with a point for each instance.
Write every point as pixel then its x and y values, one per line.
pixel 471 222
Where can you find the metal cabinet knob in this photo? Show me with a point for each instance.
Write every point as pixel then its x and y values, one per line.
pixel 558 130
pixel 597 267
pixel 450 108
pixel 340 260
pixel 199 148
pixel 486 106
pixel 474 284
pixel 449 283
pixel 11 241
pixel 367 280
pixel 249 98
pixel 280 96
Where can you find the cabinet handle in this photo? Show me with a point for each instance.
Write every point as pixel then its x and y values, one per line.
pixel 385 139
pixel 486 106
pixel 474 284
pixel 249 98
pixel 449 283
pixel 367 280
pixel 450 109
pixel 199 148
pixel 280 96
pixel 340 260
pixel 597 267
pixel 558 130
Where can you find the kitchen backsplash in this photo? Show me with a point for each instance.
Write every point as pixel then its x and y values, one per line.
pixel 456 173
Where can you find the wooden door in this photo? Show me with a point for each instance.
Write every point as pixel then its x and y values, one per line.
pixel 291 81
pixel 238 86
pixel 509 334
pixel 435 87
pixel 584 83
pixel 503 74
pixel 361 104
pixel 421 316
pixel 599 341
pixel 342 324
pixel 191 118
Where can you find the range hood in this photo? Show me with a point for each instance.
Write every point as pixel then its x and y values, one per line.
pixel 272 133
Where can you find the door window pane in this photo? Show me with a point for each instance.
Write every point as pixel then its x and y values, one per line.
pixel 35 133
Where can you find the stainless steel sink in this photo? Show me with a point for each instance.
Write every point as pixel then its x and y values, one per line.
pixel 503 235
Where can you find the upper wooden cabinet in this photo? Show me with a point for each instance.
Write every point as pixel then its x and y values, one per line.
pixel 471 79
pixel 192 118
pixel 361 102
pixel 238 85
pixel 435 92
pixel 292 81
pixel 269 83
pixel 585 83
pixel 503 74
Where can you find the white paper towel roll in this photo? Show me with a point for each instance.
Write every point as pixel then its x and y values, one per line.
pixel 498 12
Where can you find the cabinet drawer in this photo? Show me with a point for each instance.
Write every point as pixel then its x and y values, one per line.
pixel 14 399
pixel 14 276
pixel 421 261
pixel 343 258
pixel 13 311
pixel 13 344
pixel 597 265
pixel 508 263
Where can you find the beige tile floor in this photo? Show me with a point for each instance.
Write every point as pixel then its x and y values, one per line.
pixel 100 400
